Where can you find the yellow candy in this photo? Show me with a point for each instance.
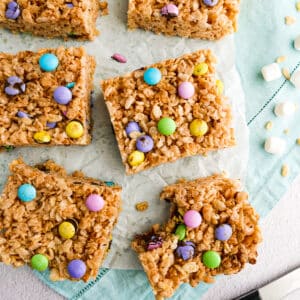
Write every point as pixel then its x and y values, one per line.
pixel 66 230
pixel 198 127
pixel 74 130
pixel 42 137
pixel 200 69
pixel 136 158
pixel 220 87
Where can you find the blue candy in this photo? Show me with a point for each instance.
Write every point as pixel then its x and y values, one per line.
pixel 48 62
pixel 109 183
pixel 26 192
pixel 152 76
pixel 70 85
pixel 132 127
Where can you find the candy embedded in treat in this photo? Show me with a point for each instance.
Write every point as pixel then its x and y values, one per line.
pixel 170 11
pixel 48 62
pixel 26 192
pixel 211 259
pixel 94 202
pixel 76 268
pixel 152 76
pixel 186 90
pixel 192 219
pixel 39 262
pixel 14 86
pixel 185 250
pixel 166 126
pixel 144 143
pixel 223 232
pixel 62 95
pixel 154 242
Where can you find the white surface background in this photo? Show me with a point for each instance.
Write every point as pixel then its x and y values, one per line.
pixel 278 253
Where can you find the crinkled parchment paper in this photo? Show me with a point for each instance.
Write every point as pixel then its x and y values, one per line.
pixel 101 159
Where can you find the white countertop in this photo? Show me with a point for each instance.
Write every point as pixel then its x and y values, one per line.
pixel 278 253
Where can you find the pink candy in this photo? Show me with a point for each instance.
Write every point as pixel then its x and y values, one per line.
pixel 192 218
pixel 186 90
pixel 119 58
pixel 94 202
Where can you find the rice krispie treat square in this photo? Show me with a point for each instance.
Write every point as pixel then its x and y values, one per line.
pixel 203 19
pixel 52 18
pixel 212 230
pixel 169 110
pixel 50 218
pixel 45 97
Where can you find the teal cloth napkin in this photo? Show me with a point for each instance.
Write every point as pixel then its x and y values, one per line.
pixel 262 37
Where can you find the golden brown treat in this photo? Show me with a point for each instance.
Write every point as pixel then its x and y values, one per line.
pixel 195 19
pixel 129 98
pixel 29 228
pixel 54 18
pixel 219 201
pixel 37 101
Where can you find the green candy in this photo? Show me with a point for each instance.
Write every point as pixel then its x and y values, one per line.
pixel 166 126
pixel 180 231
pixel 39 262
pixel 211 259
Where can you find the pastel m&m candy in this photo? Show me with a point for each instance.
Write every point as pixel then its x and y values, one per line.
pixel 132 127
pixel 170 10
pixel 76 268
pixel 62 95
pixel 200 69
pixel 48 62
pixel 66 230
pixel 211 259
pixel 13 10
pixel 42 137
pixel 180 231
pixel 166 126
pixel 144 143
pixel 210 2
pixel 186 90
pixel 39 262
pixel 94 202
pixel 74 130
pixel 198 127
pixel 136 158
pixel 192 218
pixel 152 76
pixel 26 192
pixel 223 232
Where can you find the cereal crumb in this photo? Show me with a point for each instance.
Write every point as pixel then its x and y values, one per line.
pixel 280 59
pixel 298 6
pixel 269 125
pixel 284 170
pixel 298 141
pixel 286 73
pixel 286 131
pixel 290 20
pixel 141 206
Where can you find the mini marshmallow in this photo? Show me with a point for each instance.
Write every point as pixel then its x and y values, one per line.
pixel 295 79
pixel 275 145
pixel 284 109
pixel 271 72
pixel 297 43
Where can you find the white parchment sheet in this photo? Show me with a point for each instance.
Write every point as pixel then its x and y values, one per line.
pixel 101 159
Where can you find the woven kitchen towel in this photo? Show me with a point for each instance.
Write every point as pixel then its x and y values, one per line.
pixel 262 37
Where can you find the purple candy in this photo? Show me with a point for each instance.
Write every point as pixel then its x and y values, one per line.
pixel 51 124
pixel 70 5
pixel 154 242
pixel 11 91
pixel 62 95
pixel 170 10
pixel 144 143
pixel 15 86
pixel 186 250
pixel 13 80
pixel 132 127
pixel 210 2
pixel 94 202
pixel 186 90
pixel 76 268
pixel 22 114
pixel 223 232
pixel 13 10
pixel 119 58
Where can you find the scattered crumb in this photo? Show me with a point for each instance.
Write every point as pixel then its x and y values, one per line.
pixel 269 125
pixel 104 8
pixel 286 131
pixel 284 170
pixel 141 206
pixel 298 6
pixel 298 141
pixel 289 20
pixel 286 73
pixel 280 59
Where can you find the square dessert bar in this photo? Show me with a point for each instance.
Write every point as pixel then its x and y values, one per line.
pixel 50 218
pixel 52 18
pixel 203 19
pixel 212 230
pixel 45 97
pixel 169 110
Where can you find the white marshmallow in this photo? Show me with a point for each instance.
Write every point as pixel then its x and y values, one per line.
pixel 271 72
pixel 275 145
pixel 297 43
pixel 284 109
pixel 295 79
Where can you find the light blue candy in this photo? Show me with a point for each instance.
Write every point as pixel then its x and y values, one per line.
pixel 26 192
pixel 70 85
pixel 48 62
pixel 109 183
pixel 152 76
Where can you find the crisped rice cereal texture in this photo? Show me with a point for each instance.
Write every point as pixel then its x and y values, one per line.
pixel 219 200
pixel 195 19
pixel 54 18
pixel 75 65
pixel 129 98
pixel 30 228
